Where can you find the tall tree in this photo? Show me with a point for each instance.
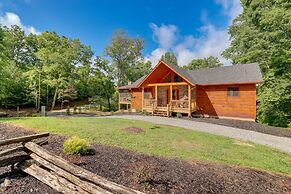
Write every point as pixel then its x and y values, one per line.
pixel 169 58
pixel 140 69
pixel 59 57
pixel 208 62
pixel 262 33
pixel 102 81
pixel 125 53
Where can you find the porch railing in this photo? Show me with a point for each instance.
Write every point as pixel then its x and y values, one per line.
pixel 124 98
pixel 179 104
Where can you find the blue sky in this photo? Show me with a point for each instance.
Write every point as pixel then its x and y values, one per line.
pixel 190 29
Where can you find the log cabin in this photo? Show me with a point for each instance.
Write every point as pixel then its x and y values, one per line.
pixel 221 92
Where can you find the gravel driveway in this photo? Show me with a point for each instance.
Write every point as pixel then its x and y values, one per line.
pixel 281 143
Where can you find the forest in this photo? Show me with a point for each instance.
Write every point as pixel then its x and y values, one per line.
pixel 53 70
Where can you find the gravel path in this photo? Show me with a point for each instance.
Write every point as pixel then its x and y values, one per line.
pixel 281 143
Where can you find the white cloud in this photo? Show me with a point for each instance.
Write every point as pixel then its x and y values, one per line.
pixel 232 8
pixel 10 19
pixel 211 42
pixel 165 35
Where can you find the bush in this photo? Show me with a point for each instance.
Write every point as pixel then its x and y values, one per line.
pixel 75 110
pixel 289 125
pixel 145 112
pixel 138 110
pixel 68 111
pixel 80 110
pixel 179 115
pixel 34 115
pixel 77 146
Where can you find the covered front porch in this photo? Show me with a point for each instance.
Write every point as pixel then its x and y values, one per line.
pixel 168 98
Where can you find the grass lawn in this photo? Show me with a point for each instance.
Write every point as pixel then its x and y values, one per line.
pixel 164 141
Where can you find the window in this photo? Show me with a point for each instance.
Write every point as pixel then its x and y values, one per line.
pixel 233 91
pixel 167 79
pixel 177 78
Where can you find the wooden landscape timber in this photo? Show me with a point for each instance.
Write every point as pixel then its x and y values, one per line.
pixel 54 170
pixel 23 139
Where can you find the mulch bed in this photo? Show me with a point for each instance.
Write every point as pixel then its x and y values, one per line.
pixel 150 174
pixel 248 125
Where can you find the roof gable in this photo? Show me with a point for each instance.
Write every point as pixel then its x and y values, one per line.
pixel 169 68
pixel 235 74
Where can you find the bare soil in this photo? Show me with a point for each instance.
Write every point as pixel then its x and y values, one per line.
pixel 248 125
pixel 150 174
pixel 133 130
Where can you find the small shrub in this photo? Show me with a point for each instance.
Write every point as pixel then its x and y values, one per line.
pixel 68 111
pixel 179 115
pixel 80 110
pixel 138 110
pixel 129 110
pixel 145 112
pixel 34 115
pixel 75 110
pixel 289 125
pixel 144 175
pixel 122 111
pixel 77 146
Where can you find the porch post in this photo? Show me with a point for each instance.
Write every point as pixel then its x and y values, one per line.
pixel 171 93
pixel 189 100
pixel 142 98
pixel 156 93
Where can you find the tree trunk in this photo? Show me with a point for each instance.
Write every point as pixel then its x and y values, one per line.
pixel 36 98
pixel 38 105
pixel 47 95
pixel 108 101
pixel 55 98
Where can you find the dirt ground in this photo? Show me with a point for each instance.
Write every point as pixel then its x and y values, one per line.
pixel 150 174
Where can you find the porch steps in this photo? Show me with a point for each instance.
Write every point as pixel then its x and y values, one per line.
pixel 160 113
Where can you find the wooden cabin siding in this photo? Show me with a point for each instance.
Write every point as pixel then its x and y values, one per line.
pixel 136 99
pixel 214 101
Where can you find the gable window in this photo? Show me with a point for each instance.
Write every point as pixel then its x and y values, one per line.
pixel 233 91
pixel 177 78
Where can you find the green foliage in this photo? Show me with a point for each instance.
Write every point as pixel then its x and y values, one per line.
pixel 145 174
pixel 208 62
pixel 262 34
pixel 145 112
pixel 126 54
pixel 179 115
pixel 34 115
pixel 68 110
pixel 169 58
pixel 77 146
pixel 75 109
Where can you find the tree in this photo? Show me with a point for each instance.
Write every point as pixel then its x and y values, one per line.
pixel 140 69
pixel 125 53
pixel 3 60
pixel 262 33
pixel 59 57
pixel 169 58
pixel 208 62
pixel 102 81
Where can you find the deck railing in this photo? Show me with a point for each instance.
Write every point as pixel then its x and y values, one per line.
pixel 179 104
pixel 124 98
